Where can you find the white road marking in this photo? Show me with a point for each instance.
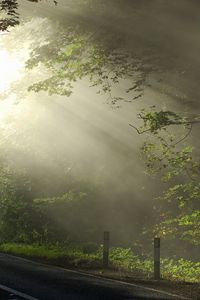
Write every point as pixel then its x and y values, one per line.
pixel 17 293
pixel 127 284
pixel 100 277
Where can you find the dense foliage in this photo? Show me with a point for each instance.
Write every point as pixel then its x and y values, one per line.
pixel 169 155
pixel 25 218
pixel 73 56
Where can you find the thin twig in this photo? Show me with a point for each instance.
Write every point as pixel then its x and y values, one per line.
pixel 138 131
pixel 185 136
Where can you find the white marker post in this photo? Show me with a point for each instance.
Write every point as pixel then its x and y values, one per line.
pixel 106 241
pixel 157 258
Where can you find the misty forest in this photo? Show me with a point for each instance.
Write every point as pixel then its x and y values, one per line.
pixel 99 131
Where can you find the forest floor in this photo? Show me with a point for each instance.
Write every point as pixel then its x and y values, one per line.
pixel 93 265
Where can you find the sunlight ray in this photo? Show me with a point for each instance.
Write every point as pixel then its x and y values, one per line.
pixel 10 67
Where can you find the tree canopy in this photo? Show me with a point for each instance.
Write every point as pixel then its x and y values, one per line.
pixel 9 10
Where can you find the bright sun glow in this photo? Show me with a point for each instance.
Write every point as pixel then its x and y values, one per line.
pixel 10 68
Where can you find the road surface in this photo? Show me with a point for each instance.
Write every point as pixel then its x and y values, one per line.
pixel 42 281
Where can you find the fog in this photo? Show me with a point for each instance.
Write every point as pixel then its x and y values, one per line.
pixel 84 138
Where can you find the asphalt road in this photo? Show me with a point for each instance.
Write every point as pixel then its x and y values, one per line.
pixel 48 282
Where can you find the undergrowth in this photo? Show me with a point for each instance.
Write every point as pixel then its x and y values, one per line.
pixel 120 258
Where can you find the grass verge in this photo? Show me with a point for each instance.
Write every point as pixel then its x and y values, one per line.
pixel 121 259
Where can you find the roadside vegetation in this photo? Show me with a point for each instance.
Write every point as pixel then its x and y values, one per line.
pixel 121 259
